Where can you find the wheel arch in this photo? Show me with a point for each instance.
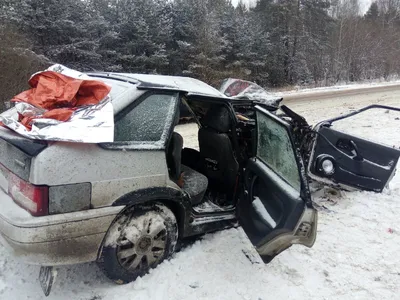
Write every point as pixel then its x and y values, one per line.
pixel 135 206
pixel 172 198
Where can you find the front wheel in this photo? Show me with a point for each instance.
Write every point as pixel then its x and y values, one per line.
pixel 137 241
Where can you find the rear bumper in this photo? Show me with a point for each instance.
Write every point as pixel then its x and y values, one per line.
pixel 53 240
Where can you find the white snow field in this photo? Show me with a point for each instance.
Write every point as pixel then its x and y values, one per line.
pixel 356 255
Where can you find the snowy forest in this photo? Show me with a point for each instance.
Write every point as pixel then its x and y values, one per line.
pixel 272 42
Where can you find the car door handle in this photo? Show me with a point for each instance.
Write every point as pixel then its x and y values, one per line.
pixel 349 146
pixel 357 153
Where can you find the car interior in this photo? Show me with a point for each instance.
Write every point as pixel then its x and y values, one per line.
pixel 209 174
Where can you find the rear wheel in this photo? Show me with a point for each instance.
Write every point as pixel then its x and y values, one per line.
pixel 137 241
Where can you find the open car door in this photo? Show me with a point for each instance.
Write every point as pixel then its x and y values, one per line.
pixel 276 210
pixel 351 162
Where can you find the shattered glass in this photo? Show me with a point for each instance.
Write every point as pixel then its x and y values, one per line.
pixel 242 89
pixel 147 121
pixel 275 148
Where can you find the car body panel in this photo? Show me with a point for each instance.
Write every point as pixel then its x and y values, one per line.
pixel 371 171
pixel 113 169
pixel 358 163
pixel 162 82
pixel 54 239
pixel 276 202
pixel 72 251
pixel 106 193
pixel 111 173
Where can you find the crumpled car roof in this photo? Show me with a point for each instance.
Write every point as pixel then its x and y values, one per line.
pixel 177 83
pixel 243 89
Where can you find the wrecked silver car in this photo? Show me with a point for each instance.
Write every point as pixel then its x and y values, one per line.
pixel 126 203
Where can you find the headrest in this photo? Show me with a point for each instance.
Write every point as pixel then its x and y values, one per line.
pixel 217 118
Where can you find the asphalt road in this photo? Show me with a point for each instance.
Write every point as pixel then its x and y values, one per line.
pixel 317 106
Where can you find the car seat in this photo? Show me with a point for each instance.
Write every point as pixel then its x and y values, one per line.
pixel 216 151
pixel 193 183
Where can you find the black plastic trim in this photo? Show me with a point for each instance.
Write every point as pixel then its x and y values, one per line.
pixel 150 194
pixel 174 199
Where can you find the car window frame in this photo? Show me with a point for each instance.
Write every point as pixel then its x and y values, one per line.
pixel 145 145
pixel 304 192
pixel 296 183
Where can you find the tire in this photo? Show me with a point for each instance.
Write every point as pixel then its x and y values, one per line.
pixel 138 240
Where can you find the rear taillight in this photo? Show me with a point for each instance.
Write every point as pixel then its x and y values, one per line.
pixel 34 199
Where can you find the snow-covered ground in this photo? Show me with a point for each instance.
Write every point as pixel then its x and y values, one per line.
pixel 356 255
pixel 341 87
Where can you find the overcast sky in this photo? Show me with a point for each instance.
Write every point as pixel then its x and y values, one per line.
pixel 364 4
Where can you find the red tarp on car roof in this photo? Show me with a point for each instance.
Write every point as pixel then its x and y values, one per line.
pixel 59 95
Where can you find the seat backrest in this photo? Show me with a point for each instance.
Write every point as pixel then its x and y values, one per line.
pixel 216 151
pixel 174 155
pixel 217 118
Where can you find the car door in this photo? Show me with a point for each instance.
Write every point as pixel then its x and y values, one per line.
pixel 275 209
pixel 351 162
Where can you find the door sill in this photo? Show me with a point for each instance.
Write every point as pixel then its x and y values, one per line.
pixel 210 207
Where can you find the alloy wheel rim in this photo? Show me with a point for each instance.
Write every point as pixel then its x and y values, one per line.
pixel 145 248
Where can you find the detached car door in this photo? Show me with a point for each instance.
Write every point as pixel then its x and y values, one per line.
pixel 276 210
pixel 338 158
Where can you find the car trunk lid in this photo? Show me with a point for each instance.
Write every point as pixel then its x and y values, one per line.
pixel 16 153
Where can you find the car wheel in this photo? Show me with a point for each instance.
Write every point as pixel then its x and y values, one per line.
pixel 138 240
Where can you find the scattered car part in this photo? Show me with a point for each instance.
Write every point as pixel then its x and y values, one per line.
pixel 47 277
pixel 355 163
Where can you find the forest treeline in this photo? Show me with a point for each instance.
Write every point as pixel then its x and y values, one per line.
pixel 274 42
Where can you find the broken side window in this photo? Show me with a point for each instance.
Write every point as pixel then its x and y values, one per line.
pixel 275 149
pixel 147 121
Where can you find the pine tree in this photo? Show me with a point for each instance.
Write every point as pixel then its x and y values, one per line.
pixel 273 43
